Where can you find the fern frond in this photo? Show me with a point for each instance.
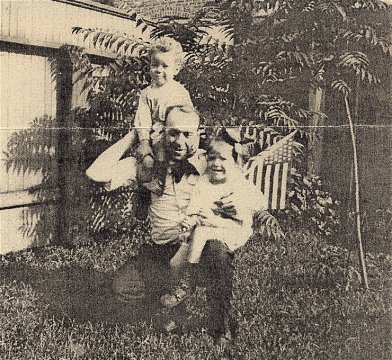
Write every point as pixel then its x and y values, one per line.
pixel 115 43
pixel 367 35
pixel 341 86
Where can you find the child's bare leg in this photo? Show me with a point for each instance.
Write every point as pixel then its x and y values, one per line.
pixel 181 279
pixel 198 240
pixel 146 169
pixel 154 174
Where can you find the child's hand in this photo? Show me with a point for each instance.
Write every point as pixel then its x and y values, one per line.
pixel 143 150
pixel 205 218
pixel 189 222
pixel 184 237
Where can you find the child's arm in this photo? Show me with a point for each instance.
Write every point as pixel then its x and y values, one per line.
pixel 143 124
pixel 249 197
pixel 104 167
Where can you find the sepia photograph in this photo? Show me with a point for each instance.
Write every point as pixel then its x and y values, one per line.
pixel 196 179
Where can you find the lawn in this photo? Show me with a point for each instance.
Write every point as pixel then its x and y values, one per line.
pixel 297 298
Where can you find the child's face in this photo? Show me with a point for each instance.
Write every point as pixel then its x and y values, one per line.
pixel 163 68
pixel 220 162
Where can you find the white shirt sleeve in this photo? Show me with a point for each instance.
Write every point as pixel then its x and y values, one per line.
pixel 195 203
pixel 185 98
pixel 108 168
pixel 123 173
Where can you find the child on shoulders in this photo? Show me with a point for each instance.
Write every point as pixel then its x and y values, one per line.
pixel 148 165
pixel 163 92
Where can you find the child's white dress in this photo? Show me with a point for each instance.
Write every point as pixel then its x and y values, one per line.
pixel 233 232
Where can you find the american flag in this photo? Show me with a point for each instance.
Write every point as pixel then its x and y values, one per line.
pixel 270 169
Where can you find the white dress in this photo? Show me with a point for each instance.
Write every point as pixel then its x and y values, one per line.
pixel 233 232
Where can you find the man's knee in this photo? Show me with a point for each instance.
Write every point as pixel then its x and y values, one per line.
pixel 218 251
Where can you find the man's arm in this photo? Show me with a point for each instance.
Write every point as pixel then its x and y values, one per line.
pixel 104 167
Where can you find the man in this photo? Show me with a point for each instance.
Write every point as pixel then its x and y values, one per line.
pixel 166 212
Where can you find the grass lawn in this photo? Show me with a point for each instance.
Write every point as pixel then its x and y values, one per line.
pixel 295 299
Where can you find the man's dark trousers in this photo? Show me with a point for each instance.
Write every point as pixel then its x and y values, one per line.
pixel 148 274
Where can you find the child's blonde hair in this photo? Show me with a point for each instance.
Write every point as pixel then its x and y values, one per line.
pixel 166 44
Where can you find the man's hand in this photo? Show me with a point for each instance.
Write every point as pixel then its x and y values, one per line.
pixel 225 207
pixel 189 222
pixel 143 150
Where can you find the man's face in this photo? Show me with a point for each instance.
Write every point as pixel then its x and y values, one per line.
pixel 163 68
pixel 182 135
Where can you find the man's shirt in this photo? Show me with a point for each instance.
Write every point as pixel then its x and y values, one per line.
pixel 167 211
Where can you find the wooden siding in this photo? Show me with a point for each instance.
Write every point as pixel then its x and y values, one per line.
pixel 30 32
pixel 27 92
pixel 49 23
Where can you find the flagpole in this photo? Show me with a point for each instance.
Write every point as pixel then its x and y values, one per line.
pixel 357 197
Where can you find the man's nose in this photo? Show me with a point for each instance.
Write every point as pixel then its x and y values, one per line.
pixel 180 138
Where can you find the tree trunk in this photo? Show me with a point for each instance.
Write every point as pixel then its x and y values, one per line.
pixel 357 198
pixel 315 145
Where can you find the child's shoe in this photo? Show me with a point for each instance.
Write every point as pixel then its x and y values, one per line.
pixel 175 298
pixel 157 177
pixel 181 293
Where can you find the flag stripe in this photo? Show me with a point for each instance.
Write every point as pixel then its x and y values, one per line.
pixel 284 185
pixel 263 173
pixel 259 176
pixel 279 189
pixel 255 171
pixel 268 169
pixel 271 187
pixel 275 187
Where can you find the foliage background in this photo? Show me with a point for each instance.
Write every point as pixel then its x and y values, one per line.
pixel 274 57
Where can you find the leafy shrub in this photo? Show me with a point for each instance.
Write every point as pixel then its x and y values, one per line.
pixel 311 205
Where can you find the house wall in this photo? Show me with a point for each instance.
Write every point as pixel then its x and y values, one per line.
pixel 49 23
pixel 155 9
pixel 31 32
